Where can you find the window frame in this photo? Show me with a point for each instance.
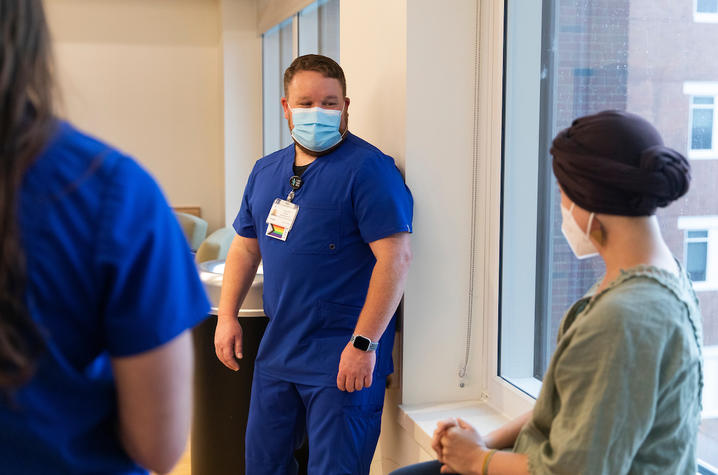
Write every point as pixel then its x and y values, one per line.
pixel 687 240
pixel 704 17
pixel 280 131
pixel 694 89
pixel 703 223
pixel 523 226
pixel 500 394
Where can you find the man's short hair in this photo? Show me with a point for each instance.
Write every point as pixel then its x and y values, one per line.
pixel 315 62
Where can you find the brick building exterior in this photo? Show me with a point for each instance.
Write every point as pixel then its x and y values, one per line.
pixel 633 55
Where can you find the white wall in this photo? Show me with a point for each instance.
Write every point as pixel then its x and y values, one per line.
pixel 145 76
pixel 242 83
pixel 410 76
pixel 440 95
pixel 372 51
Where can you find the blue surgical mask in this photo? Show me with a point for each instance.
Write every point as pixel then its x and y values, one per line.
pixel 316 129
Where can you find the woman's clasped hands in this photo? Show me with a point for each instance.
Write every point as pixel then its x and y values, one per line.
pixel 459 447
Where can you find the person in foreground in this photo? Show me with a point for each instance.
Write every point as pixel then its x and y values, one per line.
pixel 622 393
pixel 330 216
pixel 97 287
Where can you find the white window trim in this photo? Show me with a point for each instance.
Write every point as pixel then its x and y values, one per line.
pixel 499 394
pixel 702 88
pixel 520 223
pixel 710 388
pixel 710 224
pixel 702 17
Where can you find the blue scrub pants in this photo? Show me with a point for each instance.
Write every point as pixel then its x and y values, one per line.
pixel 343 428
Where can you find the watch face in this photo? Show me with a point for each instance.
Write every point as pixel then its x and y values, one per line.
pixel 361 343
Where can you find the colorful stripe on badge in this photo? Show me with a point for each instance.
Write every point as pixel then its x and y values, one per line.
pixel 277 231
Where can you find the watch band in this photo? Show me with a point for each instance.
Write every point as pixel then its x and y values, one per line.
pixel 363 343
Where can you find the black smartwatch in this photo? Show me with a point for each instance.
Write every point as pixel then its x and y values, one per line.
pixel 363 343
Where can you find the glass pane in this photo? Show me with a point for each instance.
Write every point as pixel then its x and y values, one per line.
pixel 277 55
pixel 566 59
pixel 703 99
pixel 696 234
pixel 702 129
pixel 696 260
pixel 319 29
pixel 707 6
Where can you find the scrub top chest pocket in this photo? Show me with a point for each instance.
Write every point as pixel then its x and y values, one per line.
pixel 316 229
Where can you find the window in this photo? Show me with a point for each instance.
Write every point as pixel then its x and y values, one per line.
pixel 697 254
pixel 312 30
pixel 277 55
pixel 705 11
pixel 319 29
pixel 700 253
pixel 565 59
pixel 702 119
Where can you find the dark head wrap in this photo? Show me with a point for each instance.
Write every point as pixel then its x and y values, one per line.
pixel 615 162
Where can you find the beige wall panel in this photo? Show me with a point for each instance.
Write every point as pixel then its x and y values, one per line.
pixel 146 77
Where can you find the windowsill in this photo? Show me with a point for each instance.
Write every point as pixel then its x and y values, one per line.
pixel 705 286
pixel 420 420
pixel 703 156
pixel 705 17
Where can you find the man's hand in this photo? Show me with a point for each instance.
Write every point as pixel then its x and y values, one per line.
pixel 228 342
pixel 462 449
pixel 355 369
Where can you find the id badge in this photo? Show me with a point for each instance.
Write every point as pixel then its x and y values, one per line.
pixel 281 219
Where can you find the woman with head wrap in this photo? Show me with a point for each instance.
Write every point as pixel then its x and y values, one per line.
pixel 622 393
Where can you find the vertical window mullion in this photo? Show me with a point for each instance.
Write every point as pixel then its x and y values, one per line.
pixel 295 35
pixel 711 256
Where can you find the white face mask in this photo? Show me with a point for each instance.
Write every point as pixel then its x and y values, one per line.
pixel 578 240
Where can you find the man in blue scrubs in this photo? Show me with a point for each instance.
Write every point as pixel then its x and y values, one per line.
pixel 330 217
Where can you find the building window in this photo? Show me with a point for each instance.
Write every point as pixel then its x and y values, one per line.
pixel 705 11
pixel 707 6
pixel 568 59
pixel 314 29
pixel 700 253
pixel 702 119
pixel 702 111
pixel 697 254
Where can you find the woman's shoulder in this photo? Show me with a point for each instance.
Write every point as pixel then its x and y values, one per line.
pixel 75 158
pixel 649 301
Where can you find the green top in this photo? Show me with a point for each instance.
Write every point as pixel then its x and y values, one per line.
pixel 622 393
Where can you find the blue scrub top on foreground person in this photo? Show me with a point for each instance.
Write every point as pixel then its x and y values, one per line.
pixel 97 287
pixel 109 275
pixel 330 217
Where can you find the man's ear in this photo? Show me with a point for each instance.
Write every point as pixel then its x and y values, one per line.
pixel 285 106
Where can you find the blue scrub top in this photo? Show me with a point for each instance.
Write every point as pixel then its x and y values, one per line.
pixel 109 274
pixel 316 282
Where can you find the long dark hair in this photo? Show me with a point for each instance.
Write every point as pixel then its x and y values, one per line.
pixel 26 124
